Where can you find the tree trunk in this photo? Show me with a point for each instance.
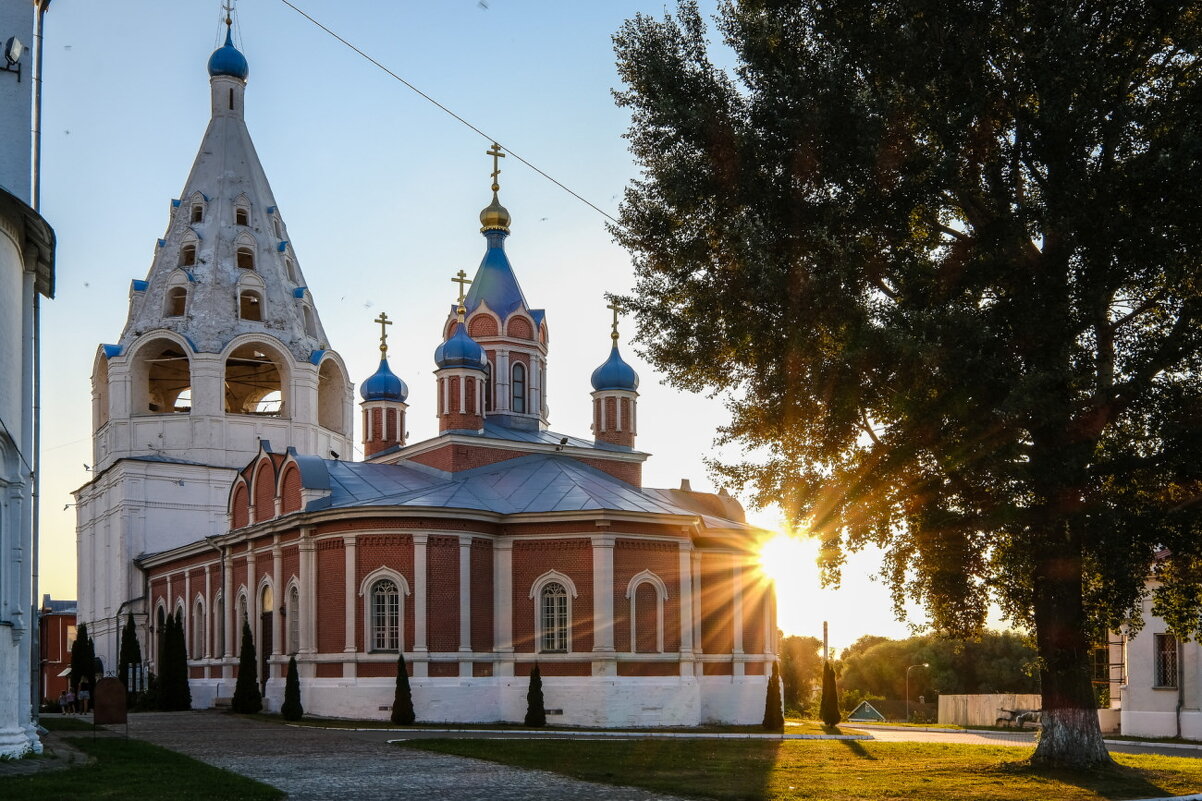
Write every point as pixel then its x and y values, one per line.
pixel 1071 736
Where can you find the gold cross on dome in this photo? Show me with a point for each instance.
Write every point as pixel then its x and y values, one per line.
pixel 614 333
pixel 461 279
pixel 495 152
pixel 229 12
pixel 384 323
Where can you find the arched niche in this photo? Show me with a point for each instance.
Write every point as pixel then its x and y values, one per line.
pixel 256 380
pixel 331 395
pixel 161 378
pixel 100 390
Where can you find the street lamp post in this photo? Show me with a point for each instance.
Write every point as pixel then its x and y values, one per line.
pixel 923 665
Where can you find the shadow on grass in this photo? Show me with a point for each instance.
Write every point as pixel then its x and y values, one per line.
pixel 1114 781
pixel 856 748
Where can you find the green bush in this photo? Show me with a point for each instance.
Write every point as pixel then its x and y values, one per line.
pixel 774 718
pixel 292 709
pixel 402 699
pixel 830 697
pixel 247 699
pixel 536 714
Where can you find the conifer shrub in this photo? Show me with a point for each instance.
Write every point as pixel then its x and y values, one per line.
pixel 175 695
pixel 829 711
pixel 402 699
pixel 774 717
pixel 536 713
pixel 247 700
pixel 130 652
pixel 292 709
pixel 83 659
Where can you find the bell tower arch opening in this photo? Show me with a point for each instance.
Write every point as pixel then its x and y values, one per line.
pixel 331 396
pixel 162 378
pixel 254 381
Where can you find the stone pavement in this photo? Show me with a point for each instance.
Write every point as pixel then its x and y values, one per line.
pixel 311 764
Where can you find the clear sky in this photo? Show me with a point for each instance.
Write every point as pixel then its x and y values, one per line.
pixel 381 192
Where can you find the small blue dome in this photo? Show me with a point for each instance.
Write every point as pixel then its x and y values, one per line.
pixel 615 374
pixel 460 350
pixel 384 385
pixel 228 60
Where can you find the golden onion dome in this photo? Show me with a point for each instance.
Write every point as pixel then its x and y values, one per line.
pixel 495 217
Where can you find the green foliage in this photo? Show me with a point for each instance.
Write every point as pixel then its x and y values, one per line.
pixel 174 692
pixel 130 651
pixel 83 659
pixel 994 662
pixel 402 699
pixel 536 714
pixel 829 713
pixel 942 259
pixel 774 718
pixel 801 671
pixel 292 709
pixel 247 700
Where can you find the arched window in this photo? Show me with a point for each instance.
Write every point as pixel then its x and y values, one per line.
pixel 553 614
pixel 242 613
pixel 160 628
pixel 250 306
pixel 181 620
pixel 253 381
pixel 198 212
pixel 385 616
pixel 647 593
pixel 198 630
pixel 519 387
pixel 293 612
pixel 279 229
pixel 241 216
pixel 177 301
pixel 246 257
pixel 331 394
pixel 219 626
pixel 162 379
pixel 187 255
pixel 290 266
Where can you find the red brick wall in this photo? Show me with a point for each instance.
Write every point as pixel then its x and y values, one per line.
pixel 717 668
pixel 717 600
pixel 454 458
pixel 555 668
pixel 331 578
pixel 375 669
pixel 483 325
pixel 630 472
pixel 264 492
pixel 291 490
pixel 755 596
pixel 442 593
pixel 482 605
pixel 646 631
pixel 574 558
pixel 662 558
pixel 329 670
pixel 648 669
pixel 520 328
pixel 241 507
pixel 393 551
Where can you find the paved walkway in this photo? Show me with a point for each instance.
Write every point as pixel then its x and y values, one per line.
pixel 311 764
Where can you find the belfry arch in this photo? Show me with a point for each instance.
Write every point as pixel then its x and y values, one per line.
pixel 331 395
pixel 161 374
pixel 255 380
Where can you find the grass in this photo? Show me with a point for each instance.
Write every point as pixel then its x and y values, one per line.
pixel 132 769
pixel 820 770
pixel 68 724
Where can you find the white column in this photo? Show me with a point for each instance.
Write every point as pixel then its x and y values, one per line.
pixel 348 648
pixel 698 589
pixel 737 604
pixel 603 605
pixel 465 604
pixel 208 646
pixel 252 596
pixel 463 393
pixel 502 381
pixel 686 609
pixel 187 621
pixel 420 665
pixel 277 572
pixel 230 630
pixel 502 588
pixel 308 592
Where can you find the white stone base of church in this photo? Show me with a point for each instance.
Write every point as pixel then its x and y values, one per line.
pixel 570 701
pixel 1162 724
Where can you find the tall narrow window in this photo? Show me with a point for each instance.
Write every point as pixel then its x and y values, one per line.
pixel 385 616
pixel 291 267
pixel 553 609
pixel 1166 660
pixel 519 387
pixel 198 213
pixel 177 299
pixel 241 217
pixel 250 306
pixel 160 628
pixel 310 322
pixel 198 630
pixel 219 626
pixel 279 229
pixel 293 620
pixel 246 258
pixel 187 255
pixel 231 99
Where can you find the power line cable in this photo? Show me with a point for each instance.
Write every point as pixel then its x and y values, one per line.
pixel 460 119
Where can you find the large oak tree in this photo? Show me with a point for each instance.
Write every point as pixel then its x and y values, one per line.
pixel 943 259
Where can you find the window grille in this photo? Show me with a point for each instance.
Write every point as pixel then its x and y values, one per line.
pixel 385 616
pixel 1166 660
pixel 554 598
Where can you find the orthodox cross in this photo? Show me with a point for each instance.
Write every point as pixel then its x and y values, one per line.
pixel 461 279
pixel 384 323
pixel 614 334
pixel 495 152
pixel 229 12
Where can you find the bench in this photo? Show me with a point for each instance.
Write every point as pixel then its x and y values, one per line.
pixel 1010 717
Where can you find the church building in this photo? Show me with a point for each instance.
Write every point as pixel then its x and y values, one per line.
pixel 224 493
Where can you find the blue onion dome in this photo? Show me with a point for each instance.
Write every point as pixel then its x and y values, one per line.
pixel 384 385
pixel 615 374
pixel 460 350
pixel 228 60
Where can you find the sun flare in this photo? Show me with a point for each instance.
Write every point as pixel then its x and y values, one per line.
pixel 792 563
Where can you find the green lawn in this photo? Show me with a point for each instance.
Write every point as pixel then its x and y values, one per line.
pixel 828 769
pixel 68 724
pixel 131 769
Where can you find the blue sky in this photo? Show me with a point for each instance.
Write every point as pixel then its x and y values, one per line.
pixel 381 192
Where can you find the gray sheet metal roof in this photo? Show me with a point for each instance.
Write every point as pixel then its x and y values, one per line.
pixel 537 483
pixel 494 430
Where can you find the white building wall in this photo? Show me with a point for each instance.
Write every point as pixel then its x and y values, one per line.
pixel 1151 711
